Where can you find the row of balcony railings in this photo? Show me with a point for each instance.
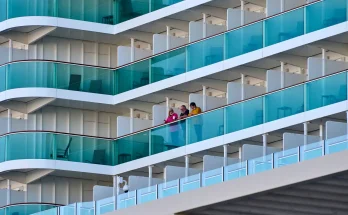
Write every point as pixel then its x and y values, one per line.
pixel 193 56
pixel 225 173
pixel 26 208
pixel 266 108
pixel 106 12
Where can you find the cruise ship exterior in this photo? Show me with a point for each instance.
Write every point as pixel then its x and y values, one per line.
pixel 173 107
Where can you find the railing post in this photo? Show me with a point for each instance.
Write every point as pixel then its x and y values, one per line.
pixel 179 185
pixel 156 191
pixel 273 161
pixel 95 207
pixel 299 155
pixel 222 173
pixel 323 148
pixel 247 167
pixel 136 197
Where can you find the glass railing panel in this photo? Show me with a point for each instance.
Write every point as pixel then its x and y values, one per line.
pixel 132 147
pixel 168 189
pixel 32 74
pixel 168 137
pixel 168 65
pixel 37 209
pixel 146 194
pixel 105 205
pixel 2 148
pixel 3 78
pixel 85 208
pixel 326 91
pixel 205 53
pixel 126 200
pixel 190 183
pixel 260 164
pixel 212 177
pixel 52 211
pixel 324 14
pixel 3 10
pixel 336 144
pixel 205 126
pixel 284 103
pixel 85 79
pixel 133 76
pixel 158 4
pixel 19 8
pixel 234 171
pixel 311 151
pixel 244 40
pixel 244 115
pixel 30 146
pixel 286 157
pixel 67 210
pixel 129 9
pixel 284 27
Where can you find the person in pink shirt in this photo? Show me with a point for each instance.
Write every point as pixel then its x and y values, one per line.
pixel 173 128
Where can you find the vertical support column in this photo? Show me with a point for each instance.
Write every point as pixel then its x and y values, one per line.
pixel 147 116
pixel 264 141
pixel 9 120
pixel 323 57
pixel 150 176
pixel 305 132
pixel 8 191
pixel 131 124
pixel 282 5
pixel 225 155
pixel 321 130
pixel 240 153
pixel 167 106
pixel 114 185
pixel 132 49
pixel 187 165
pixel 168 37
pixel 10 52
pixel 204 98
pixel 347 125
pixel 242 77
pixel 204 25
pixel 282 75
pixel 242 18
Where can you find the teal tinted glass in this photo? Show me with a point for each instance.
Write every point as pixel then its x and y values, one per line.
pixel 3 10
pixel 67 210
pixel 85 208
pixel 32 74
pixel 284 103
pixel 105 205
pixel 205 53
pixel 244 40
pixel 284 27
pixel 146 194
pixel 190 183
pixel 133 76
pixel 19 8
pixel 52 211
pixel 168 65
pixel 212 177
pixel 260 164
pixel 168 189
pixel 325 13
pixel 132 147
pixel 311 151
pixel 2 148
pixel 286 157
pixel 28 209
pixel 129 9
pixel 168 137
pixel 29 146
pixel 85 79
pixel 205 126
pixel 3 78
pixel 326 91
pixel 244 115
pixel 158 4
pixel 126 200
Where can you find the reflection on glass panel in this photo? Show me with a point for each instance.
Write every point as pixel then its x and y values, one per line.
pixel 129 9
pixel 260 164
pixel 168 189
pixel 324 14
pixel 32 74
pixel 212 177
pixel 3 78
pixel 206 126
pixel 168 137
pixel 168 65
pixel 244 40
pixel 132 76
pixel 158 4
pixel 284 103
pixel 32 209
pixel 146 194
pixel 284 27
pixel 244 115
pixel 326 91
pixel 18 8
pixel 311 151
pixel 85 208
pixel 44 211
pixel 206 52
pixel 3 10
pixel 286 157
pixel 190 183
pixel 132 147
pixel 105 205
pixel 2 148
pixel 234 171
pixel 126 200
pixel 67 210
pixel 336 145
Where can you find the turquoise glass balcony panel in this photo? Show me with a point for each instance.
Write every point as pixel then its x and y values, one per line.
pixel 3 211
pixel 158 4
pixel 52 211
pixel 168 189
pixel 244 115
pixel 326 91
pixel 205 126
pixel 2 148
pixel 67 210
pixel 3 10
pixel 244 40
pixel 260 164
pixel 168 137
pixel 126 200
pixel 105 205
pixel 168 65
pixel 32 209
pixel 324 14
pixel 85 79
pixel 190 183
pixel 235 171
pixel 3 78
pixel 129 9
pixel 32 74
pixel 133 76
pixel 29 146
pixel 84 149
pixel 284 27
pixel 336 144
pixel 311 151
pixel 286 157
pixel 205 53
pixel 19 8
pixel 85 208
pixel 284 103
pixel 132 147
pixel 146 194
pixel 212 177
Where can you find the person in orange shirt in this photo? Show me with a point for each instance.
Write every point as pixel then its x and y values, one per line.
pixel 196 121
